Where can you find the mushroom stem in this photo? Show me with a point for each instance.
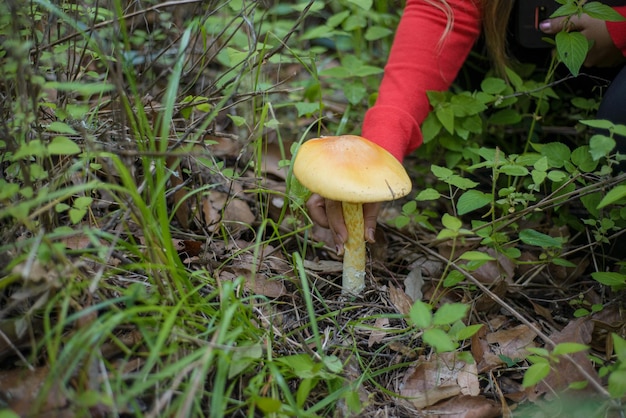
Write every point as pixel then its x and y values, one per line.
pixel 354 249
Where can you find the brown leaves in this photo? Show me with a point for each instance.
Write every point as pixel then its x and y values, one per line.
pixel 491 348
pixel 445 377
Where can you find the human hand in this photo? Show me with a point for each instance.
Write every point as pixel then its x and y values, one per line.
pixel 328 213
pixel 603 52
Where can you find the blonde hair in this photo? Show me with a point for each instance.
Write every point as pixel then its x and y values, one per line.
pixel 495 18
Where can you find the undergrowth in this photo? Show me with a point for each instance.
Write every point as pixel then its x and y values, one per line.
pixel 157 259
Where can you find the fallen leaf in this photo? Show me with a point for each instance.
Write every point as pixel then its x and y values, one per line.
pixel 258 284
pixel 439 377
pixel 377 334
pixel 490 348
pixel 492 271
pixel 219 207
pixel 563 373
pixel 21 388
pixel 190 248
pixel 413 284
pixel 465 406
pixel 400 300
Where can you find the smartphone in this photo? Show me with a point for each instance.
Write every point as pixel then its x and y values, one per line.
pixel 529 13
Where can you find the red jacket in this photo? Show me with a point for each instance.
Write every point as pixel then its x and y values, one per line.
pixel 421 59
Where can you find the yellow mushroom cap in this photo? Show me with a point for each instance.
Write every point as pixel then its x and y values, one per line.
pixel 350 168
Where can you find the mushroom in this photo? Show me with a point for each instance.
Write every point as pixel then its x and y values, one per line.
pixel 352 170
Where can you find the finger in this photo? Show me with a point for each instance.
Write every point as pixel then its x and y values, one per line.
pixel 336 223
pixel 316 205
pixel 370 215
pixel 552 26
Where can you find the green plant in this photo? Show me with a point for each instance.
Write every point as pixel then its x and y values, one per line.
pixel 443 329
pixel 543 360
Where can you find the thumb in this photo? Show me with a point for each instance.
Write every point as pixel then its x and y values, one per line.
pixel 552 26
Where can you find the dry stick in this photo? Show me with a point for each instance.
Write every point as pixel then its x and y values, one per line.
pixel 596 385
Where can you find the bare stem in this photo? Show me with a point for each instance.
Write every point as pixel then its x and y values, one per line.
pixel 354 250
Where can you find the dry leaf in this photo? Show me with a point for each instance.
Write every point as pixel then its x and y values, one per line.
pixel 220 207
pixel 272 158
pixel 324 266
pixel 511 343
pixel 379 333
pixel 400 300
pixel 485 303
pixel 20 389
pixel 564 372
pixel 440 377
pixel 413 284
pixel 465 406
pixel 502 268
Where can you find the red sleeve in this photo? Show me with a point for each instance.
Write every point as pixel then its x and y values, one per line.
pixel 617 30
pixel 422 58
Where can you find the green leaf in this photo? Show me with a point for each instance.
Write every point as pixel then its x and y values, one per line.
pixel 441 173
pixel 461 182
pixel 240 120
pixel 514 78
pixel 514 170
pixel 366 70
pixel 617 384
pixel 428 194
pixel 374 33
pixel 476 256
pixel 337 72
pixel 32 148
pixel 569 348
pixel 61 128
pixel 541 164
pixel 493 85
pixel 267 404
pixel 619 346
pixel 354 92
pixel 566 9
pixel 615 194
pixel 445 114
pixel 539 239
pixel 76 215
pixel 563 262
pixel 468 332
pixel 62 145
pixel 609 278
pixel 82 89
pixel 572 49
pixel 451 222
pixel 598 123
pixel 472 200
pixel 602 11
pixel 600 146
pixel 505 117
pixel 581 157
pixel 449 313
pixel 439 340
pixel 453 278
pixel 556 152
pixel 535 373
pixel 363 4
pixel 431 127
pixel 7 413
pixel 421 314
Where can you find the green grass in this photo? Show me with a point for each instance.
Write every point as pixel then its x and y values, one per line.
pixel 132 143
